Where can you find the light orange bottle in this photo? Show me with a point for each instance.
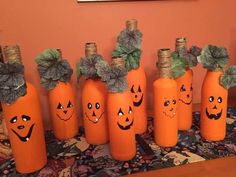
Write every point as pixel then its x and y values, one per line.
pixel 213 107
pixel 63 110
pixel 120 122
pixel 94 95
pixel 137 85
pixel 165 103
pixel 24 123
pixel 185 92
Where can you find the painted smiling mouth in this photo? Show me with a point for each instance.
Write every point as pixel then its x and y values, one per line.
pixel 213 116
pixel 171 116
pixel 65 119
pixel 187 103
pixel 127 127
pixel 96 120
pixel 137 104
pixel 27 137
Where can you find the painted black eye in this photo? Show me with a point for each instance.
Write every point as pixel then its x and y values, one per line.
pixel 70 105
pixel 132 89
pixel 174 101
pixel 211 98
pixel 130 110
pixel 13 120
pixel 166 103
pixel 219 100
pixel 191 88
pixel 139 89
pixel 25 118
pixel 182 89
pixel 120 112
pixel 97 105
pixel 89 106
pixel 59 106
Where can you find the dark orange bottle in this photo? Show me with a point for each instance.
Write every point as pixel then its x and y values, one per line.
pixel 185 92
pixel 121 121
pixel 94 95
pixel 24 123
pixel 165 103
pixel 137 85
pixel 61 97
pixel 213 107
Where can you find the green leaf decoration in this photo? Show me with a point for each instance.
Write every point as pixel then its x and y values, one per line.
pixel 103 70
pixel 130 40
pixel 12 82
pixel 228 79
pixel 87 67
pixel 178 65
pixel 117 81
pixel 132 58
pixel 52 69
pixel 214 57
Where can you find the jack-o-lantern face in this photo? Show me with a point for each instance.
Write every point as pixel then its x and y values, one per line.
pixel 94 112
pixel 125 120
pixel 169 108
pixel 65 112
pixel 22 127
pixel 214 111
pixel 137 94
pixel 185 94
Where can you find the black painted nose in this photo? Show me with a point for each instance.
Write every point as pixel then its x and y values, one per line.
pixel 171 109
pixel 188 95
pixel 65 112
pixel 215 107
pixel 21 127
pixel 127 119
pixel 136 96
pixel 94 114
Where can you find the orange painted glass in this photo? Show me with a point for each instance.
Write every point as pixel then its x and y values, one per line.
pixel 94 95
pixel 63 111
pixel 213 107
pixel 25 127
pixel 137 85
pixel 120 123
pixel 165 116
pixel 185 98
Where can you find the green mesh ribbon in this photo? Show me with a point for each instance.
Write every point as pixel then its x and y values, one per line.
pixel 12 82
pixel 52 68
pixel 129 48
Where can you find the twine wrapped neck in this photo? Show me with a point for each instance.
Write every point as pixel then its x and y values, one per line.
pixel 132 24
pixel 90 49
pixel 118 62
pixel 1 55
pixel 60 53
pixel 180 43
pixel 164 63
pixel 12 54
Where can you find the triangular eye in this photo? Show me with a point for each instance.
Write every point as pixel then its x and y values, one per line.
pixel 139 89
pixel 59 106
pixel 70 105
pixel 132 89
pixel 182 89
pixel 130 110
pixel 120 112
pixel 191 88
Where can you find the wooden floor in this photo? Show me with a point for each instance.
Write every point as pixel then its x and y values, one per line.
pixel 223 167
